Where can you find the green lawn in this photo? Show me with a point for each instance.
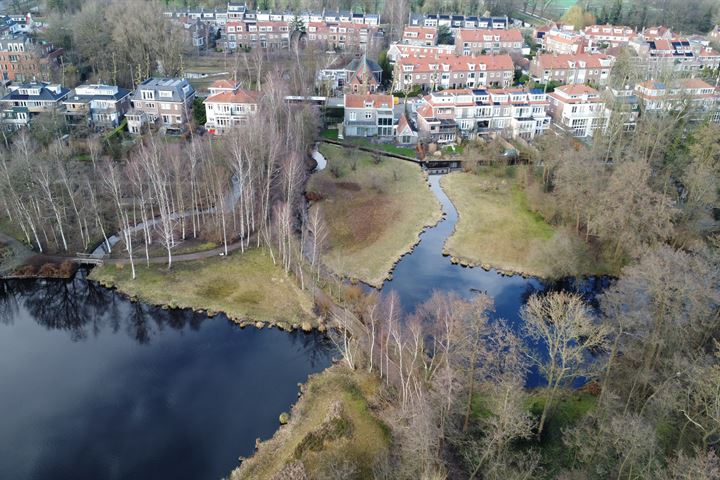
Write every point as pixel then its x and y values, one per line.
pixel 495 226
pixel 245 286
pixel 356 436
pixel 374 212
pixel 386 147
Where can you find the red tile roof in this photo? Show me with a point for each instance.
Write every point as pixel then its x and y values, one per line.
pixel 421 32
pixel 486 34
pixel 237 96
pixel 577 89
pixel 377 101
pixel 223 84
pixel 457 63
pixel 562 61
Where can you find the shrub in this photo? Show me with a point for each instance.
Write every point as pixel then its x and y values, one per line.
pixel 336 171
pixel 377 184
pixel 48 270
pixel 67 268
pixel 313 196
pixel 26 271
pixel 322 306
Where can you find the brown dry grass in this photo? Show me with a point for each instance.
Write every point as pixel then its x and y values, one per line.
pixel 374 211
pixel 495 226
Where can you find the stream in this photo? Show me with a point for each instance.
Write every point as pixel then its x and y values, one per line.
pixel 425 270
pixel 94 386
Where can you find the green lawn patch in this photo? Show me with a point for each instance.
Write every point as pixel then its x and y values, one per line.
pixel 570 407
pixel 374 211
pixel 330 134
pixel 385 147
pixel 331 423
pixel 245 286
pixel 495 225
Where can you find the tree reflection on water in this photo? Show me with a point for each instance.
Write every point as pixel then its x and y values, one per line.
pixel 84 309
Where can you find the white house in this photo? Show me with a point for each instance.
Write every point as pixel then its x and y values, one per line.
pixel 579 110
pixel 229 106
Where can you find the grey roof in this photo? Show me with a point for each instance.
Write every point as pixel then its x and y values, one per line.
pixel 121 93
pixel 46 94
pixel 180 88
pixel 355 64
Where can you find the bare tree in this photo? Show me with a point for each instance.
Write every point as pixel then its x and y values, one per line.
pixel 561 323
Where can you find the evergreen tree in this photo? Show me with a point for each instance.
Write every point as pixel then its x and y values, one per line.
pixel 297 25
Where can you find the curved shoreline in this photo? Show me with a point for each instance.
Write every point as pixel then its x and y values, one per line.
pixel 241 321
pixel 406 250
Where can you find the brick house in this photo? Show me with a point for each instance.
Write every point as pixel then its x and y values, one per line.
pixel 701 99
pixel 677 53
pixel 578 110
pixel 420 36
pixel 453 71
pixel 359 75
pixel 368 116
pixel 253 34
pixel 486 41
pixel 229 106
pixel 572 68
pixel 399 50
pixel 610 35
pixel 97 105
pixel 566 42
pixel 342 35
pixel 23 59
pixel 166 102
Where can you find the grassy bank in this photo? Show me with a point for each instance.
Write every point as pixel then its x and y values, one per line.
pixel 495 227
pixel 245 286
pixel 331 428
pixel 374 212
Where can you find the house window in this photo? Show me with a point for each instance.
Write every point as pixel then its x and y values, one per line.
pixel 352 116
pixel 368 115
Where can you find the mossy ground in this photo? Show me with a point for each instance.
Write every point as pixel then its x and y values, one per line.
pixel 356 437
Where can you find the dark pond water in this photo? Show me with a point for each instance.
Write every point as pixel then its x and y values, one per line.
pixel 93 386
pixel 423 271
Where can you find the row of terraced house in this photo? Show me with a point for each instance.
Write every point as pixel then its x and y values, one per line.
pixel 448 116
pixel 240 27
